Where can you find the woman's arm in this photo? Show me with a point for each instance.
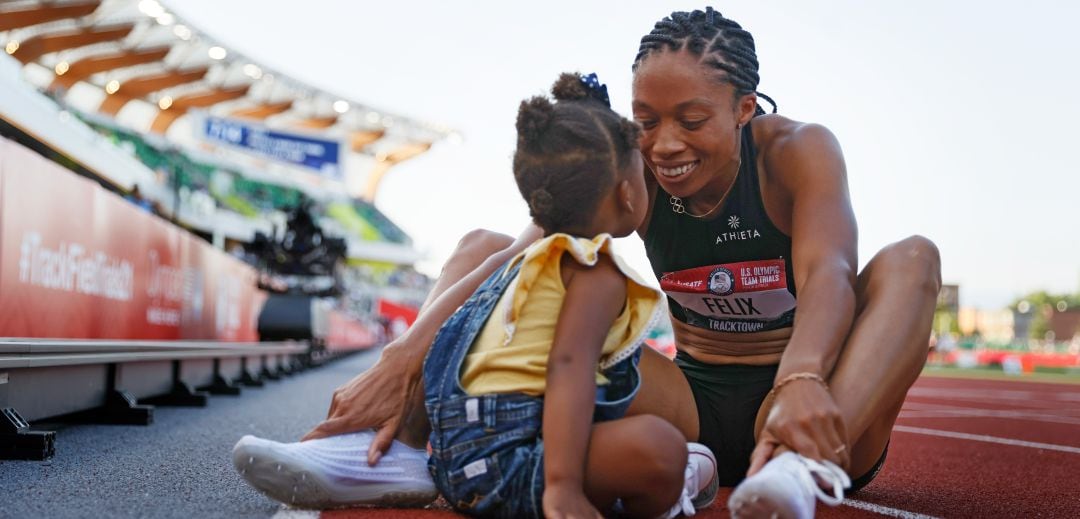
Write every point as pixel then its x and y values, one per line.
pixel 594 298
pixel 804 417
pixel 383 396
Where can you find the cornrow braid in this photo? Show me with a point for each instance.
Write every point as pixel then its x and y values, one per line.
pixel 721 43
pixel 569 152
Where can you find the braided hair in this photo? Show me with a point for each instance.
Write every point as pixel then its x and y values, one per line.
pixel 721 43
pixel 569 152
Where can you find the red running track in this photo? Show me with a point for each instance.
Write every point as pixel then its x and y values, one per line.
pixel 961 448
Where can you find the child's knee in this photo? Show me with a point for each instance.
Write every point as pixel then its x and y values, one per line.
pixel 661 448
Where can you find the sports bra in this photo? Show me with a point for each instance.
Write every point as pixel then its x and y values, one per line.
pixel 730 272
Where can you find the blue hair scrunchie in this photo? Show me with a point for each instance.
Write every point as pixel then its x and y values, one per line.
pixel 597 90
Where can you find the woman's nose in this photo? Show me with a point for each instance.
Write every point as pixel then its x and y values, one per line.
pixel 667 142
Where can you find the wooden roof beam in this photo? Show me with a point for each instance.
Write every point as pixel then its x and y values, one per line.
pixel 42 14
pixel 181 105
pixel 359 140
pixel 406 152
pixel 38 46
pixel 141 86
pixel 263 111
pixel 85 68
pixel 316 123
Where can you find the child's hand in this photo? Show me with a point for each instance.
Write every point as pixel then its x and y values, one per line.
pixel 568 502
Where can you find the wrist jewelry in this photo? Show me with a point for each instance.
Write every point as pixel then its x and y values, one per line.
pixel 767 402
pixel 805 375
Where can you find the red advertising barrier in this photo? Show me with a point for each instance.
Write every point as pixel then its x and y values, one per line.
pixel 393 311
pixel 347 334
pixel 77 261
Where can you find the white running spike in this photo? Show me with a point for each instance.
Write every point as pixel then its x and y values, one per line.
pixel 340 475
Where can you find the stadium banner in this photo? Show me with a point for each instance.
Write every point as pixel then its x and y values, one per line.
pixel 322 156
pixel 395 311
pixel 79 262
pixel 347 334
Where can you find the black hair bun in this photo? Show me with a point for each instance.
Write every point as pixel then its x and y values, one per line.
pixel 534 118
pixel 569 87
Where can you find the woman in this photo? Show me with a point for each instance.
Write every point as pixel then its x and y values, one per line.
pixel 756 207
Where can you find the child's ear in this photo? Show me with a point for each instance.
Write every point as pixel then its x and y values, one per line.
pixel 624 194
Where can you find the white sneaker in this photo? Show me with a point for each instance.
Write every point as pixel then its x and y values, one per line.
pixel 333 472
pixel 701 484
pixel 787 487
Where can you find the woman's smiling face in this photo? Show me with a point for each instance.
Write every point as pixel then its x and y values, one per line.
pixel 689 122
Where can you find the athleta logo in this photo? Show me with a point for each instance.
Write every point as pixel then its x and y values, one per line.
pixel 734 222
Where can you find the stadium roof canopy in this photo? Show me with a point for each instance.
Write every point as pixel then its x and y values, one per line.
pixel 138 63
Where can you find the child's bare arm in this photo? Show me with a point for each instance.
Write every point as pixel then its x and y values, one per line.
pixel 594 298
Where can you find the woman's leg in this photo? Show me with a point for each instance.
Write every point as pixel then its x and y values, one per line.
pixel 664 392
pixel 895 299
pixel 469 255
pixel 473 248
pixel 639 459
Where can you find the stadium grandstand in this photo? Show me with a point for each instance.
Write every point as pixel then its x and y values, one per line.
pixel 178 218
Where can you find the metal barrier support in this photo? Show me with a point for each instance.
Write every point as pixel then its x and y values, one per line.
pixel 33 373
pixel 18 442
pixel 181 394
pixel 221 385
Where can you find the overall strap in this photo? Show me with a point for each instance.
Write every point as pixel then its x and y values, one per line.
pixel 465 325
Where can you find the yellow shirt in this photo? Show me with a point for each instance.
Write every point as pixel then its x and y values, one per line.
pixel 510 354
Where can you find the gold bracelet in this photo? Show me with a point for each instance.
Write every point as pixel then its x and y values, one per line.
pixel 767 402
pixel 805 375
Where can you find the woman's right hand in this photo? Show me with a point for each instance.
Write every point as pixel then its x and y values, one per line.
pixel 378 398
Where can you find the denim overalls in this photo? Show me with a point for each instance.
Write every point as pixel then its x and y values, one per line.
pixel 487 454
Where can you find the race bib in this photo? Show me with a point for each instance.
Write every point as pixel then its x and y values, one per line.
pixel 745 297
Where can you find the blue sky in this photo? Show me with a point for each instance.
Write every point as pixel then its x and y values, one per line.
pixel 957 119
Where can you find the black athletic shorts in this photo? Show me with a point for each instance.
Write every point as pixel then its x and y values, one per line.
pixel 728 397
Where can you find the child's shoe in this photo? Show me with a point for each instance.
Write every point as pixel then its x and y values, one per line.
pixel 701 484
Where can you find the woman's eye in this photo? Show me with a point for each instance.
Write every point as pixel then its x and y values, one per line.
pixel 693 124
pixel 646 124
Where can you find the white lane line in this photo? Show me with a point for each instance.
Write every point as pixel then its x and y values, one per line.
pixel 1041 405
pixel 292 513
pixel 995 394
pixel 884 510
pixel 921 406
pixel 988 439
pixel 917 410
pixel 915 415
pixel 1065 414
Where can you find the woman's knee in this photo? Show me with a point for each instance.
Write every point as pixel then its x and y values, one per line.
pixel 473 248
pixel 482 241
pixel 913 261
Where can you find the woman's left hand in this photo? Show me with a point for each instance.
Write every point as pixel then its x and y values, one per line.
pixel 804 418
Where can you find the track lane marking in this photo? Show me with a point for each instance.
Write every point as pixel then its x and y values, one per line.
pixel 958 413
pixel 998 395
pixel 886 511
pixel 1034 405
pixel 292 513
pixel 926 410
pixel 985 438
